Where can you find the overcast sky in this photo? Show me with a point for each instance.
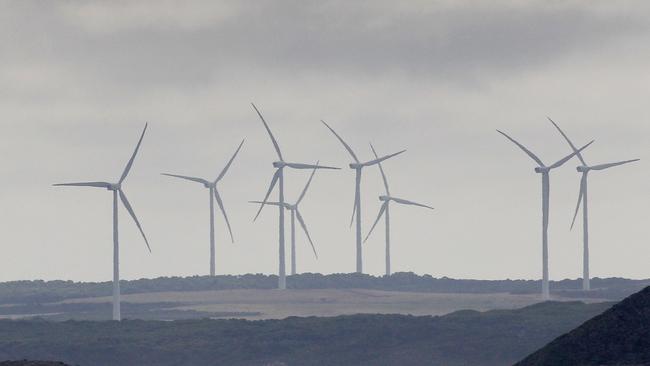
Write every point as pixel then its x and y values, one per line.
pixel 78 80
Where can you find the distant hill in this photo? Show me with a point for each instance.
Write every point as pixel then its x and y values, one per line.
pixel 31 363
pixel 619 336
pixel 497 338
pixel 31 292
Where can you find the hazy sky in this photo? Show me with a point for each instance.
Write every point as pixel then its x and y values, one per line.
pixel 78 80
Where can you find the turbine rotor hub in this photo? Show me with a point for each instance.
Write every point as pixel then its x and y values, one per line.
pixel 355 166
pixel 279 164
pixel 114 187
pixel 384 198
pixel 583 169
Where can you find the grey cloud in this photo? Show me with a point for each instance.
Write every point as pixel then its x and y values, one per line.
pixel 449 43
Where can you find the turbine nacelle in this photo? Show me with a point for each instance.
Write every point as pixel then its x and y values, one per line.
pixel 542 169
pixel 583 169
pixel 114 187
pixel 384 198
pixel 356 165
pixel 279 164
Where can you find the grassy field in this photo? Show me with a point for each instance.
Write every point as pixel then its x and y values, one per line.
pixel 279 304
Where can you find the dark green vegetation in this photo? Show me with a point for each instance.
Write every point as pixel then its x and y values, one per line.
pixel 498 337
pixel 31 363
pixel 25 292
pixel 619 336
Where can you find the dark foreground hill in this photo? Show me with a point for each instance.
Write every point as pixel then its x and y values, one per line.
pixel 38 292
pixel 497 337
pixel 619 336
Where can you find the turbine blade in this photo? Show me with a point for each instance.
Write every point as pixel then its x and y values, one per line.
pixel 381 213
pixel 347 147
pixel 407 202
pixel 135 152
pixel 84 184
pixel 273 140
pixel 561 162
pixel 304 228
pixel 383 175
pixel 304 190
pixel 379 160
pixel 611 165
pixel 267 203
pixel 522 147
pixel 223 211
pixel 573 147
pixel 309 166
pixel 128 207
pixel 274 180
pixel 583 183
pixel 193 179
pixel 225 169
pixel 357 183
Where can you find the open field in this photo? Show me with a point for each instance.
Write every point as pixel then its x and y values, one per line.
pixel 278 304
pixel 253 296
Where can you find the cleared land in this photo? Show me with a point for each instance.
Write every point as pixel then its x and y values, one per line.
pixel 277 304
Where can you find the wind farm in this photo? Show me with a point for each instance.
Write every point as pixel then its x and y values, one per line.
pixel 356 208
pixel 295 214
pixel 278 178
pixel 544 171
pixel 422 116
pixel 584 169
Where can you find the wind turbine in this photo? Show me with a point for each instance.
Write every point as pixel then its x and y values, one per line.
pixel 295 213
pixel 582 199
pixel 116 188
pixel 358 166
pixel 385 211
pixel 278 178
pixel 546 185
pixel 214 194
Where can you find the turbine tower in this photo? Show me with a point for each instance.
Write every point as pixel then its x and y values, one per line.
pixel 214 194
pixel 117 190
pixel 358 167
pixel 546 186
pixel 385 211
pixel 584 169
pixel 278 178
pixel 295 213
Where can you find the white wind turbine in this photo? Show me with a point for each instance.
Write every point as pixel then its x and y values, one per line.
pixel 117 190
pixel 582 199
pixel 385 210
pixel 295 213
pixel 546 185
pixel 278 178
pixel 214 194
pixel 358 166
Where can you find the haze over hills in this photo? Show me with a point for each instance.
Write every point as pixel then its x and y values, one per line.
pixel 38 291
pixel 254 297
pixel 496 338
